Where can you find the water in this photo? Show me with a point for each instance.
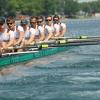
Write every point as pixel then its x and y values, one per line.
pixel 69 75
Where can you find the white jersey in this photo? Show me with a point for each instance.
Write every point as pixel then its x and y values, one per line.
pixel 27 32
pixel 17 30
pixel 0 37
pixel 63 26
pixel 36 31
pixel 49 29
pixel 32 30
pixel 7 36
pixel 59 27
pixel 41 29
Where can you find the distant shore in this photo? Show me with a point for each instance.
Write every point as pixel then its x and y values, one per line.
pixel 81 18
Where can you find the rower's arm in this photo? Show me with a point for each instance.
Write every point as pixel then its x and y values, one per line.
pixel 49 36
pixel 63 30
pixel 11 42
pixel 4 45
pixel 31 40
pixel 20 30
pixel 57 33
pixel 21 36
pixel 0 48
pixel 0 44
pixel 42 36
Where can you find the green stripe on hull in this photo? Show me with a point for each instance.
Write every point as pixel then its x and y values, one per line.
pixel 12 59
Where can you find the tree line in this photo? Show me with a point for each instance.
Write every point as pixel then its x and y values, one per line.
pixel 46 7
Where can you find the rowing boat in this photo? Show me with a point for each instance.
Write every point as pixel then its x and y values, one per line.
pixel 53 48
pixel 11 58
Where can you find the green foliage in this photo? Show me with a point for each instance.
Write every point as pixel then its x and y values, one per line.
pixel 3 8
pixel 46 7
pixel 91 7
pixel 71 7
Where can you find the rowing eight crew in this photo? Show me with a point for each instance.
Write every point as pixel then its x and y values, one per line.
pixel 25 33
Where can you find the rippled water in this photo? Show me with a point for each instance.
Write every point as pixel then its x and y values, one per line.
pixel 69 75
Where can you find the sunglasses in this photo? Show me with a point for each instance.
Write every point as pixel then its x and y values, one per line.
pixel 48 20
pixel 9 23
pixel 33 22
pixel 39 21
pixel 55 19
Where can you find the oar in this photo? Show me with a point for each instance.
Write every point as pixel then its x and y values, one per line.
pixel 18 47
pixel 17 53
pixel 80 37
pixel 55 43
pixel 70 42
pixel 59 43
pixel 78 40
pixel 45 46
pixel 73 40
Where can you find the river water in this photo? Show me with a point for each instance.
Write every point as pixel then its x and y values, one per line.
pixel 70 75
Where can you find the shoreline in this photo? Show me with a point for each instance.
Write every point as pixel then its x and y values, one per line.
pixel 75 19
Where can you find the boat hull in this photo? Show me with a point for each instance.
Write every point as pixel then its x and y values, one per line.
pixel 13 59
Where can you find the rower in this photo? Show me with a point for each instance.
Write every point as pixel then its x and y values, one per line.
pixel 0 49
pixel 60 28
pixel 28 34
pixel 49 30
pixel 2 30
pixel 7 39
pixel 40 27
pixel 36 29
pixel 17 29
